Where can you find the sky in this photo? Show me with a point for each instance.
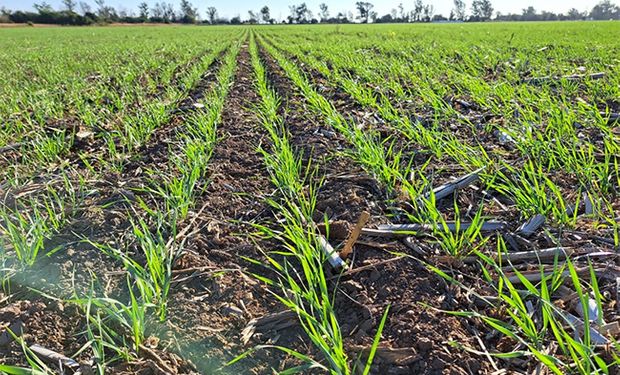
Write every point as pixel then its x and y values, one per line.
pixel 279 8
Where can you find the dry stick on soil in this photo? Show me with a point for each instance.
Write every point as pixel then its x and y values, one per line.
pixel 536 276
pixel 613 117
pixel 460 183
pixel 411 244
pixel 531 226
pixel 518 257
pixel 200 271
pixel 618 294
pixel 578 325
pixel 53 357
pixel 536 81
pixel 541 369
pixel 393 230
pixel 183 233
pixel 395 356
pixel 610 329
pixel 365 268
pixel 157 359
pixel 192 270
pixel 332 255
pixel 272 322
pixel 490 196
pixel 354 235
pixel 17 328
pixel 11 147
pixel 484 349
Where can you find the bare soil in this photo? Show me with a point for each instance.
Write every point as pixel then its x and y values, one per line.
pixel 213 300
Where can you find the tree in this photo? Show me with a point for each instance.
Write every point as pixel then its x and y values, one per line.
pixel 417 10
pixel 43 7
pixel 364 8
pixel 189 14
pixel 212 15
pixel 168 14
pixel 264 13
pixel 574 14
pixel 163 12
pixel 253 17
pixel 605 10
pixel 401 12
pixel 529 14
pixel 291 17
pixel 482 10
pixel 101 5
pixel 143 8
pixel 548 16
pixel 5 15
pixel 157 13
pixel 459 10
pixel 85 8
pixel 299 13
pixel 428 12
pixel 385 19
pixel 303 13
pixel 324 13
pixel 69 5
pixel 105 12
pixel 123 13
pixel 342 18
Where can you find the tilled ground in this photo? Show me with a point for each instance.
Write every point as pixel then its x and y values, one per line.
pixel 79 267
pixel 213 299
pixel 583 240
pixel 415 339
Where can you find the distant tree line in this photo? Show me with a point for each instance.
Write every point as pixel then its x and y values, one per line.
pixel 83 13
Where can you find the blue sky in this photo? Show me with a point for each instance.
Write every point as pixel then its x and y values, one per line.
pixel 279 8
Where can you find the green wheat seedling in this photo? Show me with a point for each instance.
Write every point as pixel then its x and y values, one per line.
pixel 439 142
pixel 111 327
pixel 152 277
pixel 381 160
pixel 300 265
pixel 534 322
pixel 457 242
pixel 113 159
pixel 534 193
pixel 7 270
pixel 183 180
pixel 117 325
pixel 100 338
pixel 180 186
pixel 306 292
pixel 46 149
pixel 137 129
pixel 27 227
pixel 26 233
pixel 36 365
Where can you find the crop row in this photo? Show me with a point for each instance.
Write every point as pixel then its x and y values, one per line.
pixel 495 162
